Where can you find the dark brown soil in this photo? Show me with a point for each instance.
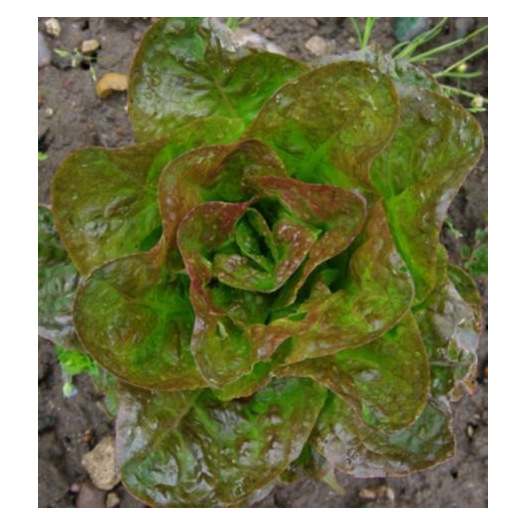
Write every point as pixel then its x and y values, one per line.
pixel 71 116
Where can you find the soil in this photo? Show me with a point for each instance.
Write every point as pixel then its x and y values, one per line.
pixel 71 116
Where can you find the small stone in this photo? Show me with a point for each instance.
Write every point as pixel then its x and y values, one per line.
pixel 245 37
pixel 44 55
pixel 268 33
pixel 137 36
pixel 470 431
pixel 49 112
pixel 375 493
pixel 88 47
pixel 52 27
pixel 110 83
pixel 311 22
pixel 319 47
pixel 90 497
pixel 75 487
pixel 112 500
pixel 100 463
pixel 352 41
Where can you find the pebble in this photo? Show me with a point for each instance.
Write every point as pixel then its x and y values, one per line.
pixel 75 487
pixel 110 83
pixel 44 55
pixel 52 27
pixel 88 47
pixel 100 463
pixel 311 22
pixel 49 112
pixel 374 493
pixel 319 47
pixel 90 497
pixel 245 37
pixel 137 36
pixel 112 500
pixel 470 431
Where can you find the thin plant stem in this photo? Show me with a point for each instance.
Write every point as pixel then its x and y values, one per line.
pixel 369 24
pixel 446 47
pixel 458 75
pixel 461 61
pixel 462 92
pixel 357 30
pixel 398 46
pixel 421 39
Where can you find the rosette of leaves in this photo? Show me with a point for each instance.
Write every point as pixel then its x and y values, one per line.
pixel 262 270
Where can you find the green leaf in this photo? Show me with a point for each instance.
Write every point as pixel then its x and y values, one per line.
pixel 357 449
pixel 450 322
pixel 477 264
pixel 419 173
pixel 374 294
pixel 401 72
pixel 105 201
pixel 192 450
pixel 73 363
pixel 57 283
pixel 211 173
pixel 372 380
pixel 329 124
pixel 187 68
pixel 136 322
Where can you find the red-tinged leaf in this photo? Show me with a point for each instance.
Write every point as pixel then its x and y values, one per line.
pixel 213 173
pixel 450 322
pixel 330 123
pixel 338 213
pixel 386 382
pixel 419 174
pixel 137 322
pixel 357 449
pixel 187 68
pixel 192 450
pixel 402 72
pixel 377 293
pixel 104 201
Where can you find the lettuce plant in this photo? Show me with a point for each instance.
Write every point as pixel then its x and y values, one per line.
pixel 262 271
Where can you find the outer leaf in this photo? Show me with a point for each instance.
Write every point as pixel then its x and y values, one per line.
pixel 328 125
pixel 57 283
pixel 450 321
pixel 401 72
pixel 136 322
pixel 188 68
pixel 104 201
pixel 355 448
pixel 191 450
pixel 377 295
pixel 420 172
pixel 386 382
